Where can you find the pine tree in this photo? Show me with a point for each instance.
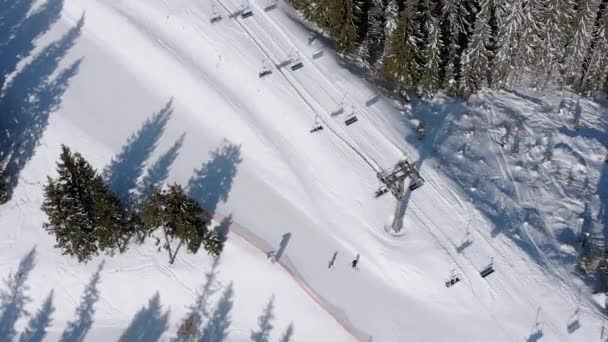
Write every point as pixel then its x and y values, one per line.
pixel 454 25
pixel 342 23
pixel 508 43
pixel 400 63
pixel 429 81
pixel 180 218
pixel 554 20
pixel 475 59
pixel 83 215
pixel 373 43
pixel 4 186
pixel 391 18
pixel 596 74
pixel 580 40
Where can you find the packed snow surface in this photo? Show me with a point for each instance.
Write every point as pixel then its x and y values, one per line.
pixel 158 92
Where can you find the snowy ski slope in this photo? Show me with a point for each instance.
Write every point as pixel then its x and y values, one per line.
pixel 242 146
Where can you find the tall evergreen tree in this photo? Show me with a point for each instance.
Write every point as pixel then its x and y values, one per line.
pixel 454 25
pixel 342 23
pixel 400 64
pixel 83 215
pixel 596 74
pixel 508 52
pixel 181 219
pixel 373 43
pixel 579 41
pixel 475 59
pixel 4 186
pixel 554 20
pixel 429 80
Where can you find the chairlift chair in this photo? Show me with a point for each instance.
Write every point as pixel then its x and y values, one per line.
pixel 487 270
pixel 383 190
pixel 265 70
pixel 246 11
pixel 351 118
pixel 316 126
pixel 297 65
pixel 215 15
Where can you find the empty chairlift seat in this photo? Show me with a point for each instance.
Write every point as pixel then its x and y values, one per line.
pixel 487 271
pixel 297 65
pixel 246 13
pixel 351 120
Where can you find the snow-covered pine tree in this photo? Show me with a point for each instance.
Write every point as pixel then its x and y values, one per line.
pixel 83 215
pixel 429 80
pixel 391 18
pixel 596 74
pixel 342 23
pixel 373 43
pixel 454 24
pixel 554 20
pixel 475 67
pixel 579 41
pixel 181 219
pixel 509 41
pixel 400 63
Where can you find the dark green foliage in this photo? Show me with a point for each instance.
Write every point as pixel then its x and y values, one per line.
pixel 482 43
pixel 180 218
pixel 83 215
pixel 4 186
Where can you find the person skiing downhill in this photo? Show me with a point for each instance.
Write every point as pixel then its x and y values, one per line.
pixel 356 261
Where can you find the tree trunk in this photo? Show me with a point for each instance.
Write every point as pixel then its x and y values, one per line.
pixel 181 242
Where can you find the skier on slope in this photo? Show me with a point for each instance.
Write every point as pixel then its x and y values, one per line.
pixel 356 261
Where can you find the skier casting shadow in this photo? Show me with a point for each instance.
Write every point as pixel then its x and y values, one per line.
pixel 355 262
pixel 275 256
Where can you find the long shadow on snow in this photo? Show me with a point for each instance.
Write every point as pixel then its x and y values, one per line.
pixel 77 330
pixel 489 194
pixel 159 171
pixel 199 311
pixel 213 181
pixel 28 101
pixel 36 327
pixel 217 327
pixel 602 186
pixel 14 298
pixel 148 324
pixel 287 335
pixel 262 334
pixel 127 166
pixel 18 33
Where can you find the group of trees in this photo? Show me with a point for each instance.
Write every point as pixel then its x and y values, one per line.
pixel 4 186
pixel 87 218
pixel 461 46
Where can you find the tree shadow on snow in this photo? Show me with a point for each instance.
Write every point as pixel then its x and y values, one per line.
pixel 36 327
pixel 18 31
pixel 262 334
pixel 217 327
pixel 29 98
pixel 223 228
pixel 213 181
pixel 126 167
pixel 199 311
pixel 14 298
pixel 148 324
pixel 288 334
pixel 159 171
pixel 77 329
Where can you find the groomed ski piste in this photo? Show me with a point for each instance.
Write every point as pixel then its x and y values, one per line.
pixel 158 91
